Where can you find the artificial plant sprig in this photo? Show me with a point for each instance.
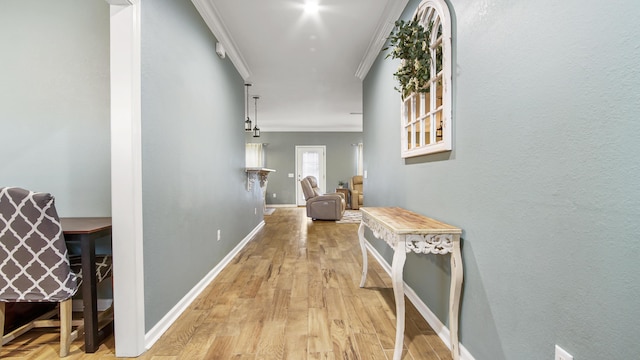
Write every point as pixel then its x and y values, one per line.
pixel 409 41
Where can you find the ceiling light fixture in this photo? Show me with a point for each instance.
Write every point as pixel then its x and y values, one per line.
pixel 311 7
pixel 256 129
pixel 247 123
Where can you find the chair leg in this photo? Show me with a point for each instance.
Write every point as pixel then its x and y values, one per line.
pixel 1 323
pixel 66 310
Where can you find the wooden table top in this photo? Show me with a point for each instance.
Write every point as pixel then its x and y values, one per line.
pixel 84 225
pixel 402 221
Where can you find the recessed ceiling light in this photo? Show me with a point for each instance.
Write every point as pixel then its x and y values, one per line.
pixel 311 7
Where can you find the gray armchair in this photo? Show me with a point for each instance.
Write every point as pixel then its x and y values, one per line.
pixel 319 206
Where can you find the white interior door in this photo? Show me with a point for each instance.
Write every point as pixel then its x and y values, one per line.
pixel 310 160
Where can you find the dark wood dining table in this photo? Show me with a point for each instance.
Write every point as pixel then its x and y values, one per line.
pixel 85 231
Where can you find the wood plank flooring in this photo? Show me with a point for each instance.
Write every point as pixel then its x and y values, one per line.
pixel 291 293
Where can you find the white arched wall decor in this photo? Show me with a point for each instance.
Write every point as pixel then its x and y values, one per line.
pixel 426 121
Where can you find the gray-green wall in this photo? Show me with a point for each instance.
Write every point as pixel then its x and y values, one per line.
pixel 543 177
pixel 281 155
pixel 54 102
pixel 194 181
pixel 55 114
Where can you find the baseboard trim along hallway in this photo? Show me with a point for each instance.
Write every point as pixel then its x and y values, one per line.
pixel 161 327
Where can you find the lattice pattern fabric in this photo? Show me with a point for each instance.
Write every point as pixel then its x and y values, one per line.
pixel 34 263
pixel 104 267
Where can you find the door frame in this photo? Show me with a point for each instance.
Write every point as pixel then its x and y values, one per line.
pixel 323 170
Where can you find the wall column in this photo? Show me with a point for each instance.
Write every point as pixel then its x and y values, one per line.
pixel 126 178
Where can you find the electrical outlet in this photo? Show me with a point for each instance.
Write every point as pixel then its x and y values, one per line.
pixel 274 195
pixel 219 234
pixel 255 211
pixel 561 354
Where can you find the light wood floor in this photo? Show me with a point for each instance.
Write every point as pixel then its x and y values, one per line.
pixel 292 293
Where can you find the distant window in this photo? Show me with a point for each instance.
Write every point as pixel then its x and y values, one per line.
pixel 426 116
pixel 254 155
pixel 359 159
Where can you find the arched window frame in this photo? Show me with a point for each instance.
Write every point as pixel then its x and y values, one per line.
pixel 426 120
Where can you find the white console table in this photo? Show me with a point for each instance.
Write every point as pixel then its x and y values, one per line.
pixel 406 231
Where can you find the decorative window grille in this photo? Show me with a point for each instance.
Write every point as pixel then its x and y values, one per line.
pixel 426 117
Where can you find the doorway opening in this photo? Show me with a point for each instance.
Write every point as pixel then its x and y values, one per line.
pixel 310 160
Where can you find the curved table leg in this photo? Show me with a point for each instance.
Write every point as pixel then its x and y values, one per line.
pixel 363 247
pixel 454 297
pixel 397 266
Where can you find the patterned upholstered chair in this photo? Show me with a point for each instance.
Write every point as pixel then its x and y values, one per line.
pixel 34 262
pixel 321 206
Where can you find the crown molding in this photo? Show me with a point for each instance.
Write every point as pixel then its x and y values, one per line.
pixel 211 17
pixel 122 2
pixel 391 13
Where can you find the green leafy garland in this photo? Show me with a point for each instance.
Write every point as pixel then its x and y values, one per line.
pixel 410 42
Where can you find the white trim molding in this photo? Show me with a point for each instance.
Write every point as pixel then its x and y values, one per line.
pixel 126 178
pixel 211 17
pixel 391 13
pixel 156 332
pixel 122 2
pixel 423 309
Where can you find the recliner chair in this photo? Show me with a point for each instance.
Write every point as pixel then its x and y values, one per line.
pixel 357 199
pixel 319 206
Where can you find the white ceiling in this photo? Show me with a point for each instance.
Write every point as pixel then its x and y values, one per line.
pixel 307 68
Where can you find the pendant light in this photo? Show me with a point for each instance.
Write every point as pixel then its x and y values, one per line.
pixel 256 129
pixel 247 123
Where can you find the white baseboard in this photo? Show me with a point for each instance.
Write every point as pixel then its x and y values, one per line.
pixel 281 205
pixel 427 314
pixel 154 334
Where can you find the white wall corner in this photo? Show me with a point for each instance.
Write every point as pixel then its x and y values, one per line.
pixel 391 13
pixel 126 179
pixel 211 17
